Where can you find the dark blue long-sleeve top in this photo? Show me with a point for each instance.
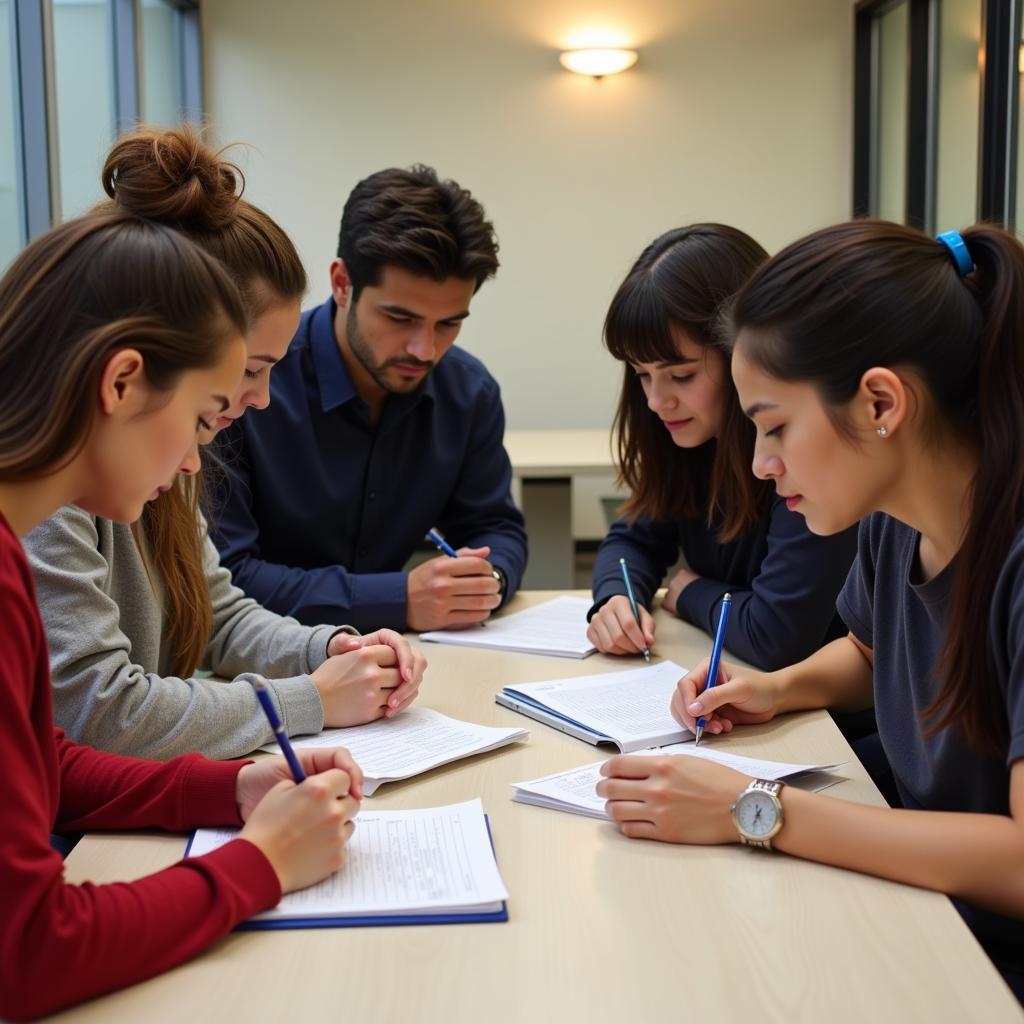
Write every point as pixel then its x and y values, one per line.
pixel 320 508
pixel 784 580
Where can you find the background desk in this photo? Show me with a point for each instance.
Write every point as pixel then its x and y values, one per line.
pixel 545 462
pixel 602 928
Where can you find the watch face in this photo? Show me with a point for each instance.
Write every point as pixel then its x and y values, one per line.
pixel 756 814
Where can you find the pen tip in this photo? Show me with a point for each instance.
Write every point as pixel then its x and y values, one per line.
pixel 700 732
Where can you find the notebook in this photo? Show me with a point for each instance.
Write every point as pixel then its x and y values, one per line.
pixel 629 709
pixel 557 627
pixel 410 743
pixel 573 791
pixel 430 866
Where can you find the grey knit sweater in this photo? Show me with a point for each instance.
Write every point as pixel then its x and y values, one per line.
pixel 108 657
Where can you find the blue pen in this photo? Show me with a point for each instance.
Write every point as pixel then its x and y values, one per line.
pixel 263 696
pixel 632 601
pixel 716 656
pixel 441 544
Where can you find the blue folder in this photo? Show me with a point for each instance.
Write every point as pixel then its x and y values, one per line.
pixel 374 921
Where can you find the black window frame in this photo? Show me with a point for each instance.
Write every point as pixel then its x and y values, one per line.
pixel 998 115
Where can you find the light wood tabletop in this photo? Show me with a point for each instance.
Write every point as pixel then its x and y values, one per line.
pixel 545 463
pixel 601 928
pixel 537 454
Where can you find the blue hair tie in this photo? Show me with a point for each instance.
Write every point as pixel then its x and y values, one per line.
pixel 957 247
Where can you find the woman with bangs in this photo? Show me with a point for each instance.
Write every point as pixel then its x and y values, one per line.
pixel 684 452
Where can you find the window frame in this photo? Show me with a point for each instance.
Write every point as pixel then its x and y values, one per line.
pixel 35 118
pixel 998 117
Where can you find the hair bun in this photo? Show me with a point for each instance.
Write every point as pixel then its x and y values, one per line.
pixel 170 175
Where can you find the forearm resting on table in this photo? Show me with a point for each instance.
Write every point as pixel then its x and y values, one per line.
pixel 976 857
pixel 838 676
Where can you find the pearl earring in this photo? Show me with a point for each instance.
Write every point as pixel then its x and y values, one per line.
pixel 882 431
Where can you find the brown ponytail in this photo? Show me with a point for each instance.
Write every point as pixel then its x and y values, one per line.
pixel 870 293
pixel 997 498
pixel 174 177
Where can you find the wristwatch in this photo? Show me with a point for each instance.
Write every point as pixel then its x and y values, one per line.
pixel 757 813
pixel 499 574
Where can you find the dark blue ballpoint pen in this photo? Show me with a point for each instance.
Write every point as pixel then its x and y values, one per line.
pixel 716 656
pixel 263 696
pixel 441 544
pixel 632 602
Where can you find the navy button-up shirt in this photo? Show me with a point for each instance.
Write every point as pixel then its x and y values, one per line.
pixel 320 508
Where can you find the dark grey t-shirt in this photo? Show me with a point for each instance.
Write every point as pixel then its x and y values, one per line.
pixel 903 622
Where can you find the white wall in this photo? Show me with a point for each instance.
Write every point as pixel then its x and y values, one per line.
pixel 739 110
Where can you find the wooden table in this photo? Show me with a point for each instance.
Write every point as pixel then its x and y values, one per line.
pixel 545 462
pixel 602 928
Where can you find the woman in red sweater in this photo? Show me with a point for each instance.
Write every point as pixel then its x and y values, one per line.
pixel 119 338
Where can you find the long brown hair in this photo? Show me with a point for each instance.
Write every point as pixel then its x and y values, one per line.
pixel 174 177
pixel 871 293
pixel 681 282
pixel 72 298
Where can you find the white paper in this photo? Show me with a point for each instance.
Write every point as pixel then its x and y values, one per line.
pixel 574 790
pixel 410 743
pixel 631 708
pixel 557 627
pixel 432 860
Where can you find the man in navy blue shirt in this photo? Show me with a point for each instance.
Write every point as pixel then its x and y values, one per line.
pixel 379 429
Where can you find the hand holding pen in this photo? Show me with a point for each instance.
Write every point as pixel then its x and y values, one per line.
pixel 453 592
pixel 301 829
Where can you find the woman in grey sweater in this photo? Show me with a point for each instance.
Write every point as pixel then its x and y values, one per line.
pixel 132 612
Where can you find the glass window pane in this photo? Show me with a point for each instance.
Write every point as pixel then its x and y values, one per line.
pixel 1019 213
pixel 891 168
pixel 83 70
pixel 959 111
pixel 10 223
pixel 161 81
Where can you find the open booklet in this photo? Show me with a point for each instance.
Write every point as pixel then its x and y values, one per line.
pixel 628 709
pixel 574 790
pixel 410 743
pixel 557 627
pixel 429 866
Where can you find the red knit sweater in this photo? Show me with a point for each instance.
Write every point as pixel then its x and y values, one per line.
pixel 61 943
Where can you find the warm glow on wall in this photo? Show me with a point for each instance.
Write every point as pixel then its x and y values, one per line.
pixel 598 62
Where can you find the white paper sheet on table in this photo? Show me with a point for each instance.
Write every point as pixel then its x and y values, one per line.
pixel 410 743
pixel 629 709
pixel 573 790
pixel 436 859
pixel 557 627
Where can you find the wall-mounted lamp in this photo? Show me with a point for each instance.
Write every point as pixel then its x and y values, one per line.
pixel 598 63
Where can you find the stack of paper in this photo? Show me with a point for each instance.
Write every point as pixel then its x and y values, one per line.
pixel 629 709
pixel 557 627
pixel 574 790
pixel 410 743
pixel 430 866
